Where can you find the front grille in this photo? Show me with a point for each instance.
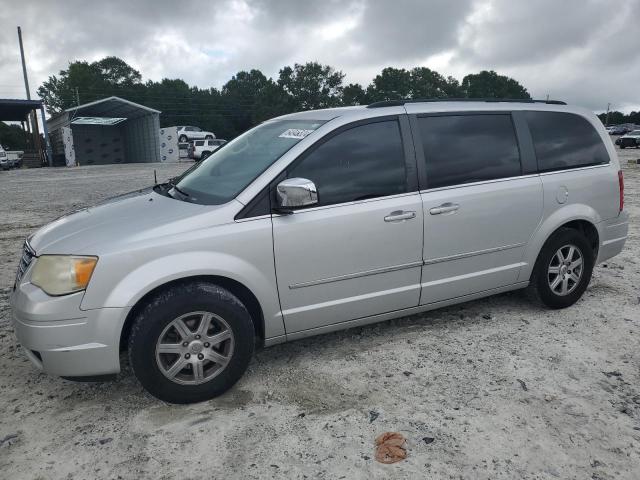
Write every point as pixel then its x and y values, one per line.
pixel 27 256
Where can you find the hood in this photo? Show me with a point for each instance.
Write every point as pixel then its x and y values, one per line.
pixel 128 218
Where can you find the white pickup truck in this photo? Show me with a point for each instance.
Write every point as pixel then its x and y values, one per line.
pixel 10 159
pixel 203 148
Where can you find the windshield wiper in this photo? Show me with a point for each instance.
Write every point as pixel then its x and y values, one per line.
pixel 179 190
pixel 171 185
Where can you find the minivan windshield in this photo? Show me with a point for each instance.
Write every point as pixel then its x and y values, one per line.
pixel 229 170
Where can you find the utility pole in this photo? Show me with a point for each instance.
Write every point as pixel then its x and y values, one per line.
pixel 77 97
pixel 33 119
pixel 24 64
pixel 606 122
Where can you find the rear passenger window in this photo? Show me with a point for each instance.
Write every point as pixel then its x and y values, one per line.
pixel 359 163
pixel 469 148
pixel 565 140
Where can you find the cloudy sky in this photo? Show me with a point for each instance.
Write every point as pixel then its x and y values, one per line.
pixel 586 52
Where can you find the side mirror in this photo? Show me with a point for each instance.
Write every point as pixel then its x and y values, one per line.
pixel 294 193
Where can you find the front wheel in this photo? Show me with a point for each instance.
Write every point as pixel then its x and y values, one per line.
pixel 191 343
pixel 563 269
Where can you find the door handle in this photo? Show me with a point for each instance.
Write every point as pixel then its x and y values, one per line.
pixel 399 216
pixel 444 208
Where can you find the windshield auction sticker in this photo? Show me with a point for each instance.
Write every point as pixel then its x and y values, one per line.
pixel 298 133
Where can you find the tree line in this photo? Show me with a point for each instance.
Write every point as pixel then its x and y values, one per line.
pixel 250 97
pixel 617 118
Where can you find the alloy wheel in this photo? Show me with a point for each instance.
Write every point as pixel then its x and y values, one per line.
pixel 194 348
pixel 565 270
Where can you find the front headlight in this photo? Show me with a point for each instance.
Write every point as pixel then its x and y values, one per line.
pixel 62 274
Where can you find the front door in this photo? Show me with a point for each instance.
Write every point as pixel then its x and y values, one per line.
pixel 481 207
pixel 358 252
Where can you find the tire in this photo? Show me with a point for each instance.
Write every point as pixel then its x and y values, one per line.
pixel 204 155
pixel 182 139
pixel 155 325
pixel 542 279
pixel 208 137
pixel 622 147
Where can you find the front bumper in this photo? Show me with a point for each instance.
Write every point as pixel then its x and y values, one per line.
pixel 61 339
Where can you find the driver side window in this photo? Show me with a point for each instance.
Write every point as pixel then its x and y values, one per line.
pixel 362 162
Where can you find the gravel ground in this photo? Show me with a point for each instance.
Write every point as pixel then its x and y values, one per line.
pixel 491 389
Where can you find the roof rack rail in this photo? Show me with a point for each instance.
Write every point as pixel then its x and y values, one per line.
pixel 395 103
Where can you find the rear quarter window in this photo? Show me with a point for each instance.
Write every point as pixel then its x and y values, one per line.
pixel 565 140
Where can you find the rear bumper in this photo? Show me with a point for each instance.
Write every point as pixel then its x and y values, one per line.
pixel 613 235
pixel 63 340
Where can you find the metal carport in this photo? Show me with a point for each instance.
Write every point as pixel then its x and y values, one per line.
pixel 111 130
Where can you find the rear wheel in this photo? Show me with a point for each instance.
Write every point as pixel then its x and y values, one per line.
pixel 563 269
pixel 208 137
pixel 182 139
pixel 191 343
pixel 204 155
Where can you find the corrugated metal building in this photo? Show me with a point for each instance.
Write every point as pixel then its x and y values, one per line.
pixel 111 130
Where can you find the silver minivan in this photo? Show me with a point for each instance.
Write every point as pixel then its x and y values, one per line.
pixel 319 221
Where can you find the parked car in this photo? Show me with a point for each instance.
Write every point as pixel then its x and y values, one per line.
pixel 5 163
pixel 15 158
pixel 203 148
pixel 187 133
pixel 631 139
pixel 618 130
pixel 319 221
